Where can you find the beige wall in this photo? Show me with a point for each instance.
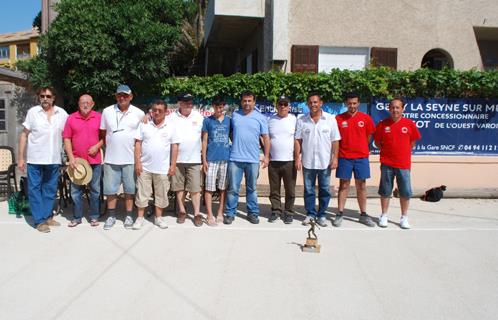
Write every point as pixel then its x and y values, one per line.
pixel 414 27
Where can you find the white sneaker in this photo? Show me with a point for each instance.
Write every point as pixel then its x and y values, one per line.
pixel 383 221
pixel 160 222
pixel 128 222
pixel 321 222
pixel 138 223
pixel 403 223
pixel 306 220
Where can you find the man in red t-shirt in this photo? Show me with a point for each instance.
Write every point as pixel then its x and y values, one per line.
pixel 395 137
pixel 356 130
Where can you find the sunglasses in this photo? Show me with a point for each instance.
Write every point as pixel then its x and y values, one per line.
pixel 48 96
pixel 283 104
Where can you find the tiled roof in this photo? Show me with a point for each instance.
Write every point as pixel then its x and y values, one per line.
pixel 19 35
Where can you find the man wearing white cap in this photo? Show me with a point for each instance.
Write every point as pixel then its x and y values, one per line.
pixel 119 124
pixel 82 142
pixel 187 177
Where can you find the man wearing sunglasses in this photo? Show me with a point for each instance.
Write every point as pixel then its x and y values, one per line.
pixel 42 134
pixel 119 124
pixel 282 127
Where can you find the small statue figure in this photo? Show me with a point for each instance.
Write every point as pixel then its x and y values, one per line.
pixel 311 244
pixel 311 231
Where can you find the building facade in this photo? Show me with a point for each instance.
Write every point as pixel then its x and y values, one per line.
pixel 15 46
pixel 319 35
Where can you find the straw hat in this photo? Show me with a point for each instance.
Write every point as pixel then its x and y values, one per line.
pixel 82 173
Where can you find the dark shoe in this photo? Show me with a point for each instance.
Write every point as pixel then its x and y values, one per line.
pixel 181 217
pixel 52 223
pixel 228 219
pixel 43 227
pixel 366 220
pixel 337 221
pixel 288 218
pixel 273 217
pixel 252 218
pixel 198 220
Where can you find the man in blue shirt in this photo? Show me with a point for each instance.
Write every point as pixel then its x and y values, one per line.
pixel 248 126
pixel 215 156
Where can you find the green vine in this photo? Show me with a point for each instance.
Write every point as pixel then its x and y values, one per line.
pixel 374 82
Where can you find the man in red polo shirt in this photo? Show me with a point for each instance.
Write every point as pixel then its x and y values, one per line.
pixel 395 137
pixel 356 130
pixel 81 140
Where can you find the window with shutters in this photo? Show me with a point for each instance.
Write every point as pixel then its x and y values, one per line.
pixel 4 52
pixel 22 51
pixel 304 59
pixel 384 57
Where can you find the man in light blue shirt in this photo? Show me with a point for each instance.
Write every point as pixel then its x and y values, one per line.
pixel 248 126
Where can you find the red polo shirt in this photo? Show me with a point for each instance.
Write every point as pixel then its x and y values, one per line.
pixel 83 133
pixel 395 142
pixel 354 132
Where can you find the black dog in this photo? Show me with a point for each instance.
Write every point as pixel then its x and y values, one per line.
pixel 434 194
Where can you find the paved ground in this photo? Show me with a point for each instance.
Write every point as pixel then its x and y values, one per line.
pixel 445 267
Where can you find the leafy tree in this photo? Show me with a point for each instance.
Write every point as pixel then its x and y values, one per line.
pixel 187 51
pixel 93 45
pixel 37 21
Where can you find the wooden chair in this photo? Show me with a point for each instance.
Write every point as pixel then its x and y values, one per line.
pixel 8 169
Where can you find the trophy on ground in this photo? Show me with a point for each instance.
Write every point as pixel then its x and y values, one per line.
pixel 311 244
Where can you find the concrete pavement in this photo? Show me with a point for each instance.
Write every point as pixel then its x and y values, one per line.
pixel 445 267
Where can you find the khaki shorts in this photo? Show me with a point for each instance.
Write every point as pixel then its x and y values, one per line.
pixel 144 189
pixel 187 177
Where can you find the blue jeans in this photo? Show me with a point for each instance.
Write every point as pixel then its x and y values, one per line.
pixel 77 193
pixel 42 189
pixel 310 176
pixel 387 175
pixel 235 171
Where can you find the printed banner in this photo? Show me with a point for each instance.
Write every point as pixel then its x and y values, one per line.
pixel 449 126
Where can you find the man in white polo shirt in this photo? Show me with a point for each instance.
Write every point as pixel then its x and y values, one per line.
pixel 155 140
pixel 187 177
pixel 119 124
pixel 42 133
pixel 282 127
pixel 317 137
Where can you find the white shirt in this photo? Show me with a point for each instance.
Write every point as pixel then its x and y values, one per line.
pixel 189 129
pixel 156 146
pixel 120 129
pixel 316 147
pixel 44 138
pixel 282 132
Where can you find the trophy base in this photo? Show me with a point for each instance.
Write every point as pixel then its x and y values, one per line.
pixel 311 245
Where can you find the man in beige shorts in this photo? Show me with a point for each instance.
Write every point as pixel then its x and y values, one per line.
pixel 187 177
pixel 155 140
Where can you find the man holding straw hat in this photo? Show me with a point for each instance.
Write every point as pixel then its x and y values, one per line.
pixel 82 144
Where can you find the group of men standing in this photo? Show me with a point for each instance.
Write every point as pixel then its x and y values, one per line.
pixel 151 154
